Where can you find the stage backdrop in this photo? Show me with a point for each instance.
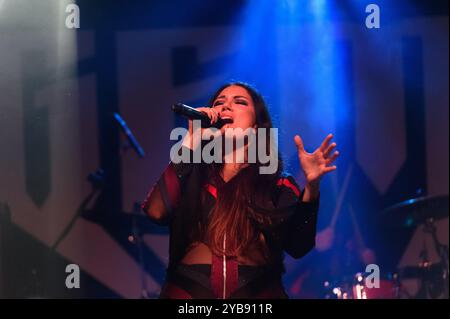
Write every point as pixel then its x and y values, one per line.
pixel 383 92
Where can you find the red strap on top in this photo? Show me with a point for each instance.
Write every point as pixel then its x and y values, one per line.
pixel 212 190
pixel 287 183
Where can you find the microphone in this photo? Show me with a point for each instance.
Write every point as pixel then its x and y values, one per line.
pixel 131 139
pixel 193 114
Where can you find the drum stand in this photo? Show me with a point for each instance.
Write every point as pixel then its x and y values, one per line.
pixel 136 238
pixel 429 287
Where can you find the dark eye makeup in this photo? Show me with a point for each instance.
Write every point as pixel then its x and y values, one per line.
pixel 237 101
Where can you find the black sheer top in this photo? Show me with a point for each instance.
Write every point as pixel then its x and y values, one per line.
pixel 174 201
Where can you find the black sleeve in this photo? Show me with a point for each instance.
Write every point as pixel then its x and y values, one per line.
pixel 299 228
pixel 165 194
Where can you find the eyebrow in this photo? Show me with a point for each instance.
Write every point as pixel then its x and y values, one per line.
pixel 236 96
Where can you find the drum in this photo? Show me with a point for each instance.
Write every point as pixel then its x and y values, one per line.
pixel 385 288
pixel 361 286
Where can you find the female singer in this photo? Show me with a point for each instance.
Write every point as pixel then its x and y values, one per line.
pixel 230 224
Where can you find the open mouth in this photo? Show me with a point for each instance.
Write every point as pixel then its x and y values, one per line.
pixel 227 119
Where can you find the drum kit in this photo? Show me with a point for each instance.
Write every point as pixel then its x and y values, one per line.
pixel 431 275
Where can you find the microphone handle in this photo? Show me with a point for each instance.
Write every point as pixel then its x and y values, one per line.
pixel 193 114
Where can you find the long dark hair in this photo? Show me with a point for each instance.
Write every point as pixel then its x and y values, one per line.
pixel 243 200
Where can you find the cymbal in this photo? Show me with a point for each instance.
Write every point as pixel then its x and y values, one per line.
pixel 416 211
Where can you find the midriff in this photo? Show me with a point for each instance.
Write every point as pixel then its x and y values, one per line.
pixel 200 253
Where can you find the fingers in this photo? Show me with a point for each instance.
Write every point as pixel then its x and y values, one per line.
pixel 215 116
pixel 211 113
pixel 298 141
pixel 329 169
pixel 332 158
pixel 325 142
pixel 329 149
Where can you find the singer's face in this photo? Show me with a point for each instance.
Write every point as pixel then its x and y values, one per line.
pixel 236 104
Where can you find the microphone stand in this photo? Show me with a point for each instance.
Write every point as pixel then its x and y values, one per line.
pixel 97 181
pixel 136 236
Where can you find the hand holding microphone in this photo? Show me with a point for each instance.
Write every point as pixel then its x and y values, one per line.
pixel 212 114
pixel 208 115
